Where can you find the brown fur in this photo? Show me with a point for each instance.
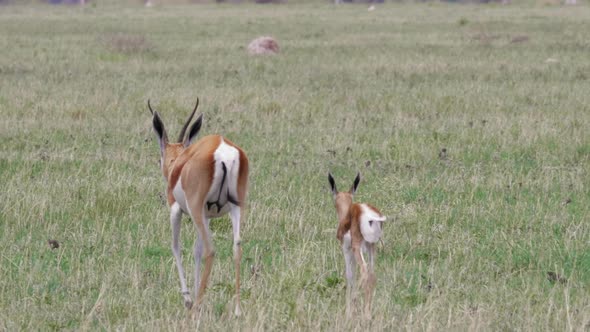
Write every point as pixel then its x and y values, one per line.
pixel 171 152
pixel 195 165
pixel 343 202
pixel 355 225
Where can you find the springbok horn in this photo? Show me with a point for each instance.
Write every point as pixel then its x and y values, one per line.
pixel 182 132
pixel 150 107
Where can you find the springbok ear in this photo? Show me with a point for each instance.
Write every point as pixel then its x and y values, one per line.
pixel 332 184
pixel 160 131
pixel 355 185
pixel 192 134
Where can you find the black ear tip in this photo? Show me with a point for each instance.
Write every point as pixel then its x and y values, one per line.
pixel 332 182
pixel 197 125
pixel 156 121
pixel 356 182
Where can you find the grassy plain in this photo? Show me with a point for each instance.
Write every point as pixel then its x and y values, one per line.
pixel 494 235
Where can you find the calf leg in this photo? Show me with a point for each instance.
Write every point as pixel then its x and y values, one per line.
pixel 371 279
pixel 366 280
pixel 349 273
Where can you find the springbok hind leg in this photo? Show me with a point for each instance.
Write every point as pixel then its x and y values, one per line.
pixel 205 234
pixel 198 253
pixel 175 218
pixel 236 215
pixel 197 213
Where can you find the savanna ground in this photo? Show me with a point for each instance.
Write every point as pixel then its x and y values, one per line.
pixel 492 235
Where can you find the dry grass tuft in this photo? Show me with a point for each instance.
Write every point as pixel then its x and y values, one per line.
pixel 127 43
pixel 485 38
pixel 519 39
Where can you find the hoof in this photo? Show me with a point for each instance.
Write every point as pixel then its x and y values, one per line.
pixel 238 311
pixel 188 303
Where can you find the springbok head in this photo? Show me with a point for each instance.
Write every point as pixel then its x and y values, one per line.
pixel 170 151
pixel 343 199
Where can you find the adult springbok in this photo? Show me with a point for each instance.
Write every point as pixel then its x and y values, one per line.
pixel 359 227
pixel 205 179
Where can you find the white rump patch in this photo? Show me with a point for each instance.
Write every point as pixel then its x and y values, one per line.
pixel 220 187
pixel 371 224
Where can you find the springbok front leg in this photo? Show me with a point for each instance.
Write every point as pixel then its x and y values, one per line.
pixel 349 271
pixel 236 215
pixel 175 218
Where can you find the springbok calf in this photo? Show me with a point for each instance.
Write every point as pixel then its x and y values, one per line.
pixel 359 227
pixel 206 179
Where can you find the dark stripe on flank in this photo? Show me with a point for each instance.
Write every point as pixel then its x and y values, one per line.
pixel 229 197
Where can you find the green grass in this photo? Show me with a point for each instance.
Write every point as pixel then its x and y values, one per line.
pixel 472 236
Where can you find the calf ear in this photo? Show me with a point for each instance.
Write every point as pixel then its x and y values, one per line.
pixel 332 184
pixel 355 184
pixel 195 128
